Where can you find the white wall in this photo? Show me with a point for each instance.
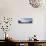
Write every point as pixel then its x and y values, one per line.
pixel 21 8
